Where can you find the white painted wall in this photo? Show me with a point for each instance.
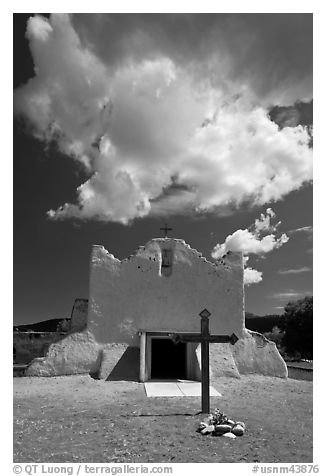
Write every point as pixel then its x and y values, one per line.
pixel 137 294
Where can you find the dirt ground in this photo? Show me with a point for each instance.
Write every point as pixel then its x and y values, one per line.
pixel 77 419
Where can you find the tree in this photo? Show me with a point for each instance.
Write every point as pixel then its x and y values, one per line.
pixel 276 335
pixel 298 327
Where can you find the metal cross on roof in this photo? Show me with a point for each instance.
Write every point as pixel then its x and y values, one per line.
pixel 166 229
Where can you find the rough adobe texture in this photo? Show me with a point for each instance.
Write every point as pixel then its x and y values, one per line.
pixel 222 362
pixel 79 353
pixel 119 361
pixel 139 293
pixel 75 354
pixel 254 354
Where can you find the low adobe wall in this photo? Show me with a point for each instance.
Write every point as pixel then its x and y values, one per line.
pixel 80 353
pixel 75 354
pixel 254 354
pixel 29 345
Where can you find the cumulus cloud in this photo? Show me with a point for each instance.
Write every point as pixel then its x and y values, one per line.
pixel 249 242
pixel 252 276
pixel 161 127
pixel 258 239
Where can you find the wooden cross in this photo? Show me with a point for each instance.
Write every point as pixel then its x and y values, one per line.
pixel 166 229
pixel 204 338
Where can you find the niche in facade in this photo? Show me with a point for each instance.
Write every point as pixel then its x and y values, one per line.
pixel 167 262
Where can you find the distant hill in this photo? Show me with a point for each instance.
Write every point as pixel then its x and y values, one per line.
pixel 44 326
pixel 262 323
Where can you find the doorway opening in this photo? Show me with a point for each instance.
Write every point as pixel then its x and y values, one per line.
pixel 168 360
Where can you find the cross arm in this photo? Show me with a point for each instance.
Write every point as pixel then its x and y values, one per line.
pixel 232 339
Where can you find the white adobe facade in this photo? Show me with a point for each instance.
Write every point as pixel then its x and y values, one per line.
pixel 136 304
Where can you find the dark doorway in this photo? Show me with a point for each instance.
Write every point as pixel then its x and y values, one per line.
pixel 169 360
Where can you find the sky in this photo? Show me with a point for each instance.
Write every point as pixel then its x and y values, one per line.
pixel 125 122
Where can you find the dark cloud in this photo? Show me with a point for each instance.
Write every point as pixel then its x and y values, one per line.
pixel 301 113
pixel 272 52
pixel 292 116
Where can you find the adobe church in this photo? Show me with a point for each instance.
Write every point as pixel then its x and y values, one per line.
pixel 137 304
